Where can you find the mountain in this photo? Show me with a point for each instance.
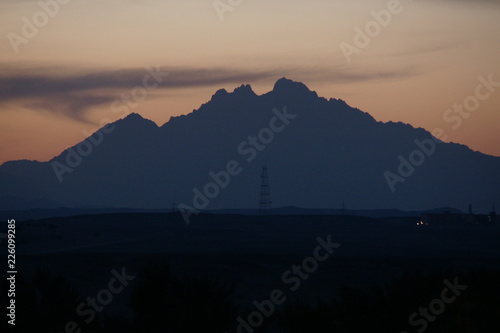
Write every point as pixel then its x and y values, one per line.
pixel 319 153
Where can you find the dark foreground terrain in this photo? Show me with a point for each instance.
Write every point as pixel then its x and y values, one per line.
pixel 233 273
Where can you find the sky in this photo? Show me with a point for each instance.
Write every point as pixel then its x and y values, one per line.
pixel 67 66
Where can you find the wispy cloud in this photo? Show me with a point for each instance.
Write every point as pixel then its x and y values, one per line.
pixel 420 50
pixel 72 94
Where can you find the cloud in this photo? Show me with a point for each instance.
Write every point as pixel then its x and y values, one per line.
pixel 353 74
pixel 69 105
pixel 71 93
pixel 43 82
pixel 420 50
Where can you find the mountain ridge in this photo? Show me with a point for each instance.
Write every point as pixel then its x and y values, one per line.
pixel 320 152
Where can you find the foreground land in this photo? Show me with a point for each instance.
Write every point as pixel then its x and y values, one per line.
pixel 378 270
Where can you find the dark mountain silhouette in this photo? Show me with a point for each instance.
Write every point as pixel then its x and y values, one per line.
pixel 325 154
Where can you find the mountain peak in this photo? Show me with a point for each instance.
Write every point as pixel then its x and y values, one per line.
pixel 244 89
pixel 134 117
pixel 135 120
pixel 287 86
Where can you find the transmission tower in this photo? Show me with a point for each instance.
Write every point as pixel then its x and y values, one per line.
pixel 265 193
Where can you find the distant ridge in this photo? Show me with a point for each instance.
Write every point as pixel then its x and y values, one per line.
pixel 36 214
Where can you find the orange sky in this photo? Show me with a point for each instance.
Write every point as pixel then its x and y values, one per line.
pixel 64 79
